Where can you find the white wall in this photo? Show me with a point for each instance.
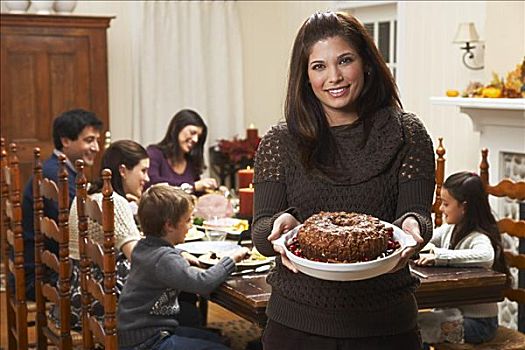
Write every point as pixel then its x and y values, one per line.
pixel 429 63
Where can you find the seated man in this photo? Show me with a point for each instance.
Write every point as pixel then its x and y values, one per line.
pixel 75 134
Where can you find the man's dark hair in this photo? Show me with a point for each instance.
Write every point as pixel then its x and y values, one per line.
pixel 71 123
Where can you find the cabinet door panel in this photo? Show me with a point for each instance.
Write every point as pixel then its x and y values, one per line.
pixel 43 77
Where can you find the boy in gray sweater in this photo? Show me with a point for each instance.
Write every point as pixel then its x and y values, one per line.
pixel 158 274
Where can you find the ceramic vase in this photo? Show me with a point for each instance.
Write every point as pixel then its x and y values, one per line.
pixel 62 6
pixel 17 6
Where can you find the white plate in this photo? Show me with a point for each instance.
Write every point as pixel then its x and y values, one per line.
pixel 194 235
pixel 203 247
pixel 352 271
pixel 245 264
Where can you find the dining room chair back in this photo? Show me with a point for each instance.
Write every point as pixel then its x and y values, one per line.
pixel 515 191
pixel 506 338
pixel 13 254
pixel 46 290
pixel 440 178
pixel 93 289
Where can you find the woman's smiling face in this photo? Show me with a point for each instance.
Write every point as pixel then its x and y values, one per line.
pixel 336 75
pixel 189 137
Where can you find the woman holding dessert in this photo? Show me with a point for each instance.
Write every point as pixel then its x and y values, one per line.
pixel 347 145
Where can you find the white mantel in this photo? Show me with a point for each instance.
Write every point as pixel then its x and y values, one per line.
pixel 500 121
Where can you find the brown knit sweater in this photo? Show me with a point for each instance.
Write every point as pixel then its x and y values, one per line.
pixel 390 177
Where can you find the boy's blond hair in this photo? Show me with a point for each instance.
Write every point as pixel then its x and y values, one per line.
pixel 160 204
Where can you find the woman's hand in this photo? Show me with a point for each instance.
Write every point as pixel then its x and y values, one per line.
pixel 411 227
pixel 192 259
pixel 426 259
pixel 283 224
pixel 205 184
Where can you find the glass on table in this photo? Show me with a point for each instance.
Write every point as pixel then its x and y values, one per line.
pixel 216 235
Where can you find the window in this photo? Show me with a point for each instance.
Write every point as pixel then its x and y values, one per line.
pixel 381 23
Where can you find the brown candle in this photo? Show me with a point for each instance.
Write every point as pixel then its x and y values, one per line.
pixel 246 201
pixel 244 177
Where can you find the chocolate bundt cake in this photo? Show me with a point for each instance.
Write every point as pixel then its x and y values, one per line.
pixel 342 237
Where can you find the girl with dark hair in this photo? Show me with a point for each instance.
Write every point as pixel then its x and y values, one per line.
pixel 347 145
pixel 470 238
pixel 179 158
pixel 128 162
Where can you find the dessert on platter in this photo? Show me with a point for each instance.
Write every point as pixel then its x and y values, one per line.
pixel 340 237
pixel 344 246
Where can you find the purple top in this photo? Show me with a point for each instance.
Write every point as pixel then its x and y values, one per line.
pixel 160 170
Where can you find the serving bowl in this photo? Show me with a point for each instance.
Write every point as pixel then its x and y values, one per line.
pixel 347 271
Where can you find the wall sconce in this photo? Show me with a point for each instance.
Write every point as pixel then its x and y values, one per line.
pixel 467 35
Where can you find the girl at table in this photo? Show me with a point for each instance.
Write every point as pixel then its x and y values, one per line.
pixel 470 238
pixel 178 159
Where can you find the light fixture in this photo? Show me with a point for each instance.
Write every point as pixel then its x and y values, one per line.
pixel 467 35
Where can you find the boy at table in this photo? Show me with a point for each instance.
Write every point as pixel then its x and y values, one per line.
pixel 149 300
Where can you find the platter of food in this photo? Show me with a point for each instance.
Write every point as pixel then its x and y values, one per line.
pixel 345 246
pixel 254 259
pixel 232 226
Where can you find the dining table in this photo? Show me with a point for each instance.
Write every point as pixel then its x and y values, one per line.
pixel 247 294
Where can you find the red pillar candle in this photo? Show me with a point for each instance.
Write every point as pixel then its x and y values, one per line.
pixel 244 177
pixel 252 134
pixel 246 201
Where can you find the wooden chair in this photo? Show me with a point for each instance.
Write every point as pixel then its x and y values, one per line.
pixel 93 332
pixel 13 255
pixel 506 339
pixel 59 295
pixel 440 178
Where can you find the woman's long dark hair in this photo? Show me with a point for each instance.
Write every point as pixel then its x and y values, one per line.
pixel 306 119
pixel 467 188
pixel 122 152
pixel 170 143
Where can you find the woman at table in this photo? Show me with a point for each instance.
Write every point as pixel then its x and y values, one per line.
pixel 470 239
pixel 178 159
pixel 347 145
pixel 128 162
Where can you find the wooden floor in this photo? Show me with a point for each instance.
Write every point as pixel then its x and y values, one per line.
pixel 215 314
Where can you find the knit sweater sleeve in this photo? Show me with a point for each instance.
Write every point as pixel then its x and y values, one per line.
pixel 475 250
pixel 176 273
pixel 270 190
pixel 125 228
pixel 416 178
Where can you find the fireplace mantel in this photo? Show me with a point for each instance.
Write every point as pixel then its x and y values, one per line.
pixel 505 112
pixel 500 121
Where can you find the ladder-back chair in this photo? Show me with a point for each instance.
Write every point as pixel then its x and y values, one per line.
pixel 440 178
pixel 104 257
pixel 45 290
pixel 506 338
pixel 13 255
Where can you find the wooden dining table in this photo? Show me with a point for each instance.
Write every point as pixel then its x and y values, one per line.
pixel 247 294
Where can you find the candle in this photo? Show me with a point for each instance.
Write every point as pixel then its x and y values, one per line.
pixel 244 177
pixel 252 134
pixel 246 201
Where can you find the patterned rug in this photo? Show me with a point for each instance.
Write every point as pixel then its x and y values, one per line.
pixel 241 333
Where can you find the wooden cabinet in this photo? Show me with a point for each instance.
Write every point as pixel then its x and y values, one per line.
pixel 50 64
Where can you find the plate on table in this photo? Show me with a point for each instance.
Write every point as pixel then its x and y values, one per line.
pixel 255 259
pixel 232 226
pixel 194 235
pixel 347 271
pixel 203 247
